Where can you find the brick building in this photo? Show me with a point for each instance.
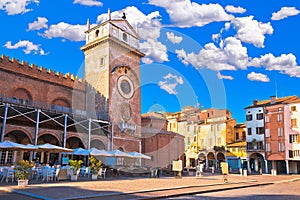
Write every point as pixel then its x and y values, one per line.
pixel 102 110
pixel 163 146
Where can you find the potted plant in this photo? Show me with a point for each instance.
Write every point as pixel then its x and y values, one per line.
pixel 75 168
pixel 22 172
pixel 95 166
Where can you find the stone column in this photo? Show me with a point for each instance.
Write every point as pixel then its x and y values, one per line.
pixel 266 166
pixel 287 167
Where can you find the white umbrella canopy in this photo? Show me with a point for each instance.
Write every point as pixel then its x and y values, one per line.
pixel 139 155
pixel 97 152
pixel 15 146
pixel 81 152
pixel 54 148
pixel 118 153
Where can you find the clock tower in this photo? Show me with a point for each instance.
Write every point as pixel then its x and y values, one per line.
pixel 112 67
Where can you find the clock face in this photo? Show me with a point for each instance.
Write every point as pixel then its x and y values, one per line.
pixel 125 87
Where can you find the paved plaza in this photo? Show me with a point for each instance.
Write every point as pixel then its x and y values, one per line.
pixel 143 187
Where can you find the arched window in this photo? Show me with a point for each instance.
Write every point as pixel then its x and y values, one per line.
pixel 96 33
pixel 125 37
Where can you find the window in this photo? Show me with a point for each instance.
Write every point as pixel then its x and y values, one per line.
pixel 294 138
pixel 293 108
pixel 188 128
pixel 260 130
pixel 259 116
pixel 219 141
pixel 249 145
pixel 294 123
pixel 268 149
pixel 210 142
pixel 267 132
pixel 211 127
pixel 9 157
pixel 244 135
pixel 202 142
pixel 280 146
pixel 170 125
pixel 280 132
pixel 267 119
pixel 279 117
pixel 249 130
pixel 291 154
pixel 96 33
pixel 125 37
pixel 259 145
pixel 237 136
pixel 248 117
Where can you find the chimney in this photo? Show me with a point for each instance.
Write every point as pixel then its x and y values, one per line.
pixel 255 102
pixel 273 99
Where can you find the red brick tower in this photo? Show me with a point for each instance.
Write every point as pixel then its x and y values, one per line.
pixel 112 66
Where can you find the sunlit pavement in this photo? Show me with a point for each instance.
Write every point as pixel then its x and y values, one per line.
pixel 136 187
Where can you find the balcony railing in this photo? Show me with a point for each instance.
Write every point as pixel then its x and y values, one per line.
pixel 27 103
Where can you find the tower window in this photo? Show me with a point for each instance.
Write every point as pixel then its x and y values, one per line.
pixel 97 33
pixel 125 37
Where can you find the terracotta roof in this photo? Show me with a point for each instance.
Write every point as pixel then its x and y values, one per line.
pixel 281 100
pixel 243 125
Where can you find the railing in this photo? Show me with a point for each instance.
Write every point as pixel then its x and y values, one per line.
pixel 53 108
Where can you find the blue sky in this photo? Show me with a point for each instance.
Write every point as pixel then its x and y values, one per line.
pixel 222 54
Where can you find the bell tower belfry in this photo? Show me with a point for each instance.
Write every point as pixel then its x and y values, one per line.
pixel 112 67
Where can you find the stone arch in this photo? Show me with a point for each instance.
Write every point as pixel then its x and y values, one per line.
pixel 220 158
pixel 48 138
pixel 211 159
pixel 97 144
pixel 61 102
pixel 21 137
pixel 256 162
pixel 202 158
pixel 74 142
pixel 18 137
pixel 22 95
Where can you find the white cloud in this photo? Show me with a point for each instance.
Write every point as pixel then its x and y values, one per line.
pixel 252 31
pixel 185 13
pixel 28 46
pixel 285 63
pixel 285 12
pixel 66 31
pixel 14 7
pixel 231 55
pixel 220 76
pixel 173 38
pixel 170 83
pixel 88 2
pixel 258 77
pixel 233 9
pixel 155 51
pixel 38 25
pixel 149 28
